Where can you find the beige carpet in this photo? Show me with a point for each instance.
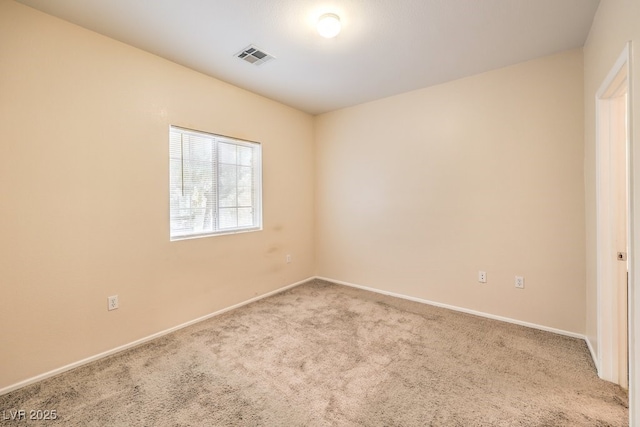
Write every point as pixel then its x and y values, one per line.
pixel 327 355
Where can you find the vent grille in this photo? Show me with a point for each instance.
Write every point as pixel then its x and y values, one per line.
pixel 254 55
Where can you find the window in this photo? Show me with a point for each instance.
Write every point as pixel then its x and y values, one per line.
pixel 215 184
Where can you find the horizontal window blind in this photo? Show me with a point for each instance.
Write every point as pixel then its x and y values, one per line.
pixel 215 184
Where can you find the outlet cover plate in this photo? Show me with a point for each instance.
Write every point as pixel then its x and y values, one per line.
pixel 520 282
pixel 112 302
pixel 482 276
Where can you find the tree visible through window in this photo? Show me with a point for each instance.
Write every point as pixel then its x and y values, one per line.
pixel 215 184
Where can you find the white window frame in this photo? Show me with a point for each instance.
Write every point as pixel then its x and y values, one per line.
pixel 181 209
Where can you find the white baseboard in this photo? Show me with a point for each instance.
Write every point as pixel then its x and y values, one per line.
pixel 140 341
pixel 461 309
pixel 135 343
pixel 594 357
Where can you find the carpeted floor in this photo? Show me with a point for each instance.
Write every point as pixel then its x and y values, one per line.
pixel 328 355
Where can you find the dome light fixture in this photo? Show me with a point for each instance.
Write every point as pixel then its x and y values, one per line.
pixel 329 25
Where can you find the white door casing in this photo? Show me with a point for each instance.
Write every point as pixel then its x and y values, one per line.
pixel 613 166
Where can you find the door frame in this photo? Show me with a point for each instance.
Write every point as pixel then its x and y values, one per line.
pixel 607 100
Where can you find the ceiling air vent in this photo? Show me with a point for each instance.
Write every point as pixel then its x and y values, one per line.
pixel 254 55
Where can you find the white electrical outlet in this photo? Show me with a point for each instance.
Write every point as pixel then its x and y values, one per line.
pixel 519 282
pixel 288 259
pixel 482 276
pixel 112 302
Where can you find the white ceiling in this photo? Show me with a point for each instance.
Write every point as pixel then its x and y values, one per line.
pixel 386 47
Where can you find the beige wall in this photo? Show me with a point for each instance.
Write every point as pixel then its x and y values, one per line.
pixel 417 192
pixel 414 193
pixel 84 126
pixel 616 23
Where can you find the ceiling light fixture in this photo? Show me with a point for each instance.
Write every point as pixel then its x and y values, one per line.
pixel 329 25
